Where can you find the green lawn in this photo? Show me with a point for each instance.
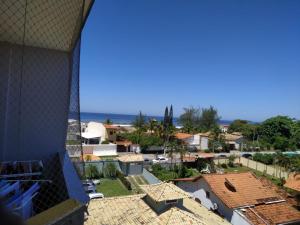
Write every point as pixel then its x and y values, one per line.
pixel 112 187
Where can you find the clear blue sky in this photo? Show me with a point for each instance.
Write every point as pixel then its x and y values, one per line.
pixel 242 57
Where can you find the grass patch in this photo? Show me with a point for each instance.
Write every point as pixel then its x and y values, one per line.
pixel 112 187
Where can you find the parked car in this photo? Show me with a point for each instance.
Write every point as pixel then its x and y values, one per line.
pixel 95 195
pixel 96 182
pixel 89 186
pixel 160 159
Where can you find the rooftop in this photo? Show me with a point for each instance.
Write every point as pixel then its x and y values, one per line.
pixel 232 137
pixel 293 182
pixel 130 210
pixel 164 191
pixel 183 135
pixel 109 126
pixel 131 158
pixel 276 213
pixel 234 189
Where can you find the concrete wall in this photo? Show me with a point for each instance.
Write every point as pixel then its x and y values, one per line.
pixel 102 149
pixel 34 102
pixel 203 143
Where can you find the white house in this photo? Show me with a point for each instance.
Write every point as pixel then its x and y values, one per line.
pixel 240 197
pixel 200 141
pixel 93 136
pixel 235 141
pixel 94 133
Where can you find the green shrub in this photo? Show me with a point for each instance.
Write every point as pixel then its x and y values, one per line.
pixel 224 165
pixel 110 170
pixel 92 172
pixel 105 142
pixel 123 179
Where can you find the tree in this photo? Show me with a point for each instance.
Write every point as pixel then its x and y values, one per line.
pixel 140 124
pixel 209 119
pixel 171 116
pixel 189 119
pixel 166 118
pixel 237 126
pixel 277 131
pixel 108 121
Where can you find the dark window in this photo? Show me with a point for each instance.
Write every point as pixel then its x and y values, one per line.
pixel 171 201
pixel 207 194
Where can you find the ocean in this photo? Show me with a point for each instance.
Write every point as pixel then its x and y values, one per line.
pixel 124 119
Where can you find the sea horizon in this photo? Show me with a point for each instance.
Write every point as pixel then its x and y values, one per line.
pixel 118 118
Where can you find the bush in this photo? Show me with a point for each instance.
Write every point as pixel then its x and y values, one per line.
pixel 92 172
pixel 207 151
pixel 264 158
pixel 105 142
pixel 123 179
pixel 110 170
pixel 224 165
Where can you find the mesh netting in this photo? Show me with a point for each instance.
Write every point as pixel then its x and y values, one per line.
pixel 39 103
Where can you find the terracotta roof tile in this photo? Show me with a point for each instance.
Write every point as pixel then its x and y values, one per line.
pixel 239 189
pixel 274 213
pixel 183 135
pixel 293 182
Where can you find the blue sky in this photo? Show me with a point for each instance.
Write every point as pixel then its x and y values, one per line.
pixel 242 57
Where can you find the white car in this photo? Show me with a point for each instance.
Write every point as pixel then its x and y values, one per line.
pixel 160 159
pixel 95 195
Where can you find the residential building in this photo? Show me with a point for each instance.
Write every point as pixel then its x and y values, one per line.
pixel 241 198
pixel 162 204
pixel 234 140
pixel 131 164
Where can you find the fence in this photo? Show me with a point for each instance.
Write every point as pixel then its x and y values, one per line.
pixel 100 164
pixel 275 171
pixel 150 177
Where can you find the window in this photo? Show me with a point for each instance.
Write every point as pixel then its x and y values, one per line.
pixel 171 202
pixel 207 194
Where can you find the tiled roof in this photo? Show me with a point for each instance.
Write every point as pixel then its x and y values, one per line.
pixel 293 182
pixel 125 143
pixel 90 157
pixel 232 137
pixel 131 158
pixel 207 216
pixel 164 191
pixel 271 214
pixel 133 210
pixel 183 135
pixel 109 126
pixel 239 189
pixel 188 179
pixel 204 155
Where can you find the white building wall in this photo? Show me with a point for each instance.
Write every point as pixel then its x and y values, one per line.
pixel 203 143
pixel 239 219
pixel 198 190
pixel 105 150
